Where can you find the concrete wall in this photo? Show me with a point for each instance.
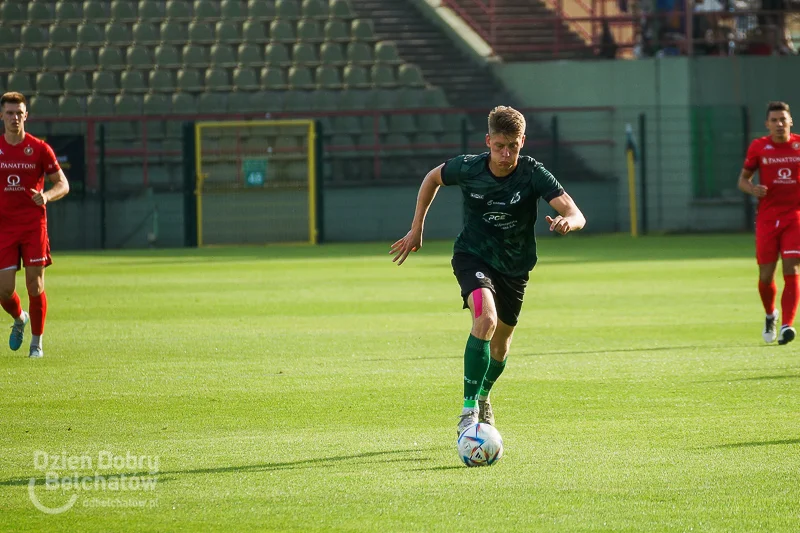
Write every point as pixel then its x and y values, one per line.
pixel 658 88
pixel 666 90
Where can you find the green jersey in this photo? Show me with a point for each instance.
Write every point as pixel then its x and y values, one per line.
pixel 499 213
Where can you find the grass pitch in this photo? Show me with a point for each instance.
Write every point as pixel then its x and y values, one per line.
pixel 315 389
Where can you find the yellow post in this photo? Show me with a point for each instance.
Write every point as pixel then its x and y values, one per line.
pixel 312 183
pixel 631 153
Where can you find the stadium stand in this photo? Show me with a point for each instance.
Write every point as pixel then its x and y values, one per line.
pixel 181 57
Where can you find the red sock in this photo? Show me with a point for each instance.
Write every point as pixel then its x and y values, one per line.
pixel 768 292
pixel 789 299
pixel 38 313
pixel 12 305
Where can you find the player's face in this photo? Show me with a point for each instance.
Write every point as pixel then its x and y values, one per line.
pixel 505 149
pixel 779 124
pixel 14 116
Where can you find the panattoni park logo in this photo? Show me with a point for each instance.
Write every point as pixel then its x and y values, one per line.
pixel 105 479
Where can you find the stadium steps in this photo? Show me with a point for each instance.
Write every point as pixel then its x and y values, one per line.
pixel 466 84
pixel 421 42
pixel 511 36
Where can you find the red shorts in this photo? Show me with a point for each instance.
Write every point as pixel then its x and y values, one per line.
pixel 31 247
pixel 776 237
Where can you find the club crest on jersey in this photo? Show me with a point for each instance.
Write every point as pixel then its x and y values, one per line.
pixel 515 199
pixel 795 146
pixel 28 150
pixel 479 275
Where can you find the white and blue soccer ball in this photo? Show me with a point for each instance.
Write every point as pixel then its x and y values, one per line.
pixel 480 445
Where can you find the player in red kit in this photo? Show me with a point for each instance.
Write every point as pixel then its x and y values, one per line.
pixel 24 163
pixel 776 157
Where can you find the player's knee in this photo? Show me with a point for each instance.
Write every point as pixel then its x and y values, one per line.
pixel 485 324
pixel 35 287
pixel 6 293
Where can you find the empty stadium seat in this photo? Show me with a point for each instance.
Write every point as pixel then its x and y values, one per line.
pixel 48 84
pixel 299 77
pixel 287 9
pixel 178 10
pixel 382 76
pixel 161 81
pixel 304 54
pixel 341 9
pixel 95 11
pixel 138 57
pixel 249 55
pixel 195 56
pixel 27 60
pixel 39 12
pixel 166 56
pixel 82 58
pixel 276 54
pixel 68 12
pixel 409 75
pixel 245 79
pixel 33 36
pixel 222 55
pixel 272 78
pixel 90 34
pixel 43 106
pixel 315 9
pixel 145 33
pixel 362 30
pixel 110 58
pixel 281 31
pixel 20 82
pixel 76 83
pixel 173 32
pixel 336 31
pixel 206 10
pixel 123 11
pixel 200 33
pixel 253 32
pixel 104 82
pixel 261 10
pixel 189 80
pixel 355 77
pixel 55 60
pixel 332 54
pixel 150 11
pixel 13 13
pixel 359 53
pixel 63 36
pixel 132 81
pixel 233 10
pixel 308 30
pixel 227 32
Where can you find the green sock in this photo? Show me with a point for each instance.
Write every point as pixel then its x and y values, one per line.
pixel 495 369
pixel 476 362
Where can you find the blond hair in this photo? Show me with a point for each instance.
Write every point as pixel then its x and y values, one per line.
pixel 504 120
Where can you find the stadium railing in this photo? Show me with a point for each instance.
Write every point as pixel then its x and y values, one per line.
pixel 378 155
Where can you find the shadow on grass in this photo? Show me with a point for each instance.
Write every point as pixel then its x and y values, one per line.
pixel 319 462
pixel 438 468
pixel 752 444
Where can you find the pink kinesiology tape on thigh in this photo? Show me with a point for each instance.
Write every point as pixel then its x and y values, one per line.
pixel 477 302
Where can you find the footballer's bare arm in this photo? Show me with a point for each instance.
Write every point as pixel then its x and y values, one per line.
pixel 747 186
pixel 569 216
pixel 59 189
pixel 413 239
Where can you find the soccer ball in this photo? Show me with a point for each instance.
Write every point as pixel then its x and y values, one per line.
pixel 480 445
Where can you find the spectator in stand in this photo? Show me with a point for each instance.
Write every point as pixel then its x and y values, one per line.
pixel 607 46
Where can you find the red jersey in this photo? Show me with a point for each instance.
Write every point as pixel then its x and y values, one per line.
pixel 23 167
pixel 778 166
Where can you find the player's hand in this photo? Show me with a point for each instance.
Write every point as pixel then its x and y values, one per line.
pixel 759 191
pixel 410 243
pixel 38 197
pixel 558 224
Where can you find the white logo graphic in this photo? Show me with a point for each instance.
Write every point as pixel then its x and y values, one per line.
pixel 1 152
pixel 794 145
pixel 515 199
pixel 495 202
pixel 70 476
pixel 784 176
pixel 769 147
pixel 14 184
pixel 476 195
pixel 500 220
pixel 479 275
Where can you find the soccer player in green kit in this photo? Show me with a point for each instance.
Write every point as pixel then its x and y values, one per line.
pixel 496 250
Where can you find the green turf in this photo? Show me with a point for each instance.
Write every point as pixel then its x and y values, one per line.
pixel 311 389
